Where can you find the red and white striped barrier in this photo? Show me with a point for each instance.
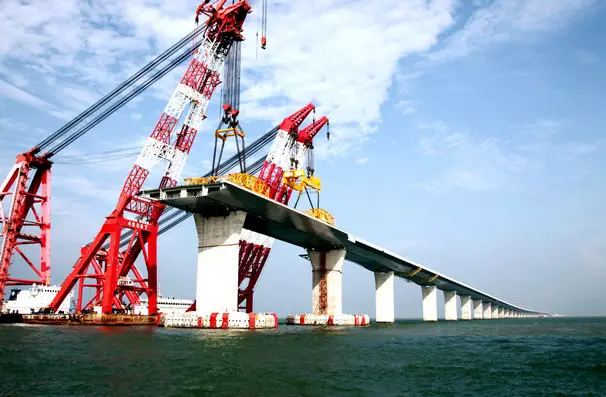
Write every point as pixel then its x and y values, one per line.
pixel 233 320
pixel 357 320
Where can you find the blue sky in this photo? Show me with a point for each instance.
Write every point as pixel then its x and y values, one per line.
pixel 466 135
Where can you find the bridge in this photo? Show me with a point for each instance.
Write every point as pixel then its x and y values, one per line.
pixel 223 208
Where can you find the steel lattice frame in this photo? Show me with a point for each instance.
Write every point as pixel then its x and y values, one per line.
pixel 27 222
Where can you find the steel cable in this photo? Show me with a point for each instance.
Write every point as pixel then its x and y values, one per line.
pixel 119 89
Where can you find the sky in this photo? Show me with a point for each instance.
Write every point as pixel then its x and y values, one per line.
pixel 468 136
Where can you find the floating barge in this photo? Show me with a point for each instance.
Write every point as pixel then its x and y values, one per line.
pixel 89 319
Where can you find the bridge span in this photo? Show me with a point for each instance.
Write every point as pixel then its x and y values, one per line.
pixel 223 208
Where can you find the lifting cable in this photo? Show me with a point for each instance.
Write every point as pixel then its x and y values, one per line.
pixel 117 91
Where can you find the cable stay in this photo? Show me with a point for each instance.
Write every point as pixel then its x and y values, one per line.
pixel 97 107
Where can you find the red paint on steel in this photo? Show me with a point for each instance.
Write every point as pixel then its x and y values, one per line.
pixel 251 320
pixel 28 220
pixel 275 320
pixel 213 320
pixel 225 319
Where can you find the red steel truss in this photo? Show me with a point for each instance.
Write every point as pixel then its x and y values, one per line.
pixel 27 222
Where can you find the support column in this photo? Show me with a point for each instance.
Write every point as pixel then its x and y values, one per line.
pixel 218 254
pixel 450 305
pixel 478 310
pixel 327 277
pixel 384 297
pixel 430 303
pixel 465 307
pixel 487 310
pixel 495 312
pixel 501 312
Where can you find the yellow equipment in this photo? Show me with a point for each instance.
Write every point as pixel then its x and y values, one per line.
pixel 247 181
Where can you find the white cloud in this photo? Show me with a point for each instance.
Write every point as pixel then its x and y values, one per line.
pixel 26 98
pixel 471 162
pixel 362 160
pixel 406 108
pixel 508 20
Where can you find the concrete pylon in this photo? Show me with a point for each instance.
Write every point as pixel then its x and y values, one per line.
pixel 327 281
pixel 487 315
pixel 218 261
pixel 501 312
pixel 465 307
pixel 384 297
pixel 478 310
pixel 450 305
pixel 495 312
pixel 430 303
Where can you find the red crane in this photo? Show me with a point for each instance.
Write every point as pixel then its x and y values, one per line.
pixel 110 268
pixel 290 144
pixel 26 189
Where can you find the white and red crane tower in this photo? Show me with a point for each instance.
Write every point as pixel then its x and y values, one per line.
pixel 290 146
pixel 140 216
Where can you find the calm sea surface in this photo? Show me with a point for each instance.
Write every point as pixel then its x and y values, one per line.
pixel 514 357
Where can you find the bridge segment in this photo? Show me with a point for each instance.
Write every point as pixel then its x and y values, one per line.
pixel 284 223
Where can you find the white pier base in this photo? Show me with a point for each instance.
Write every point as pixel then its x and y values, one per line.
pixel 430 303
pixel 478 312
pixel 487 310
pixel 495 312
pixel 450 305
pixel 501 312
pixel 218 251
pixel 384 297
pixel 465 307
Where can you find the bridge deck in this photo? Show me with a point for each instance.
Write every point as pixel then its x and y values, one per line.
pixel 295 227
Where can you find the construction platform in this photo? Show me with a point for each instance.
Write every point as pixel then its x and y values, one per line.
pixel 89 319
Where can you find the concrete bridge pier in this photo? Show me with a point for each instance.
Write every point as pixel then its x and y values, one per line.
pixel 327 281
pixel 218 249
pixel 327 302
pixel 478 310
pixel 465 307
pixel 487 310
pixel 450 305
pixel 384 297
pixel 217 277
pixel 430 303
pixel 495 312
pixel 501 312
